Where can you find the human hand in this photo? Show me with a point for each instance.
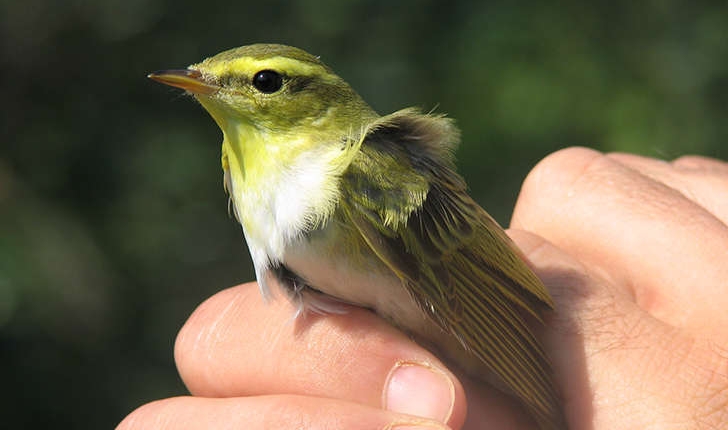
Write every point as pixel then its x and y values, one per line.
pixel 640 277
pixel 639 273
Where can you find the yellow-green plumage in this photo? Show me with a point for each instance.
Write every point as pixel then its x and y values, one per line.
pixel 369 210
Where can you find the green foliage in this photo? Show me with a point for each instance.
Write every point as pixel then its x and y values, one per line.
pixel 112 214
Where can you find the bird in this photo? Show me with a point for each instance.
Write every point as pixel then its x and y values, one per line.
pixel 342 206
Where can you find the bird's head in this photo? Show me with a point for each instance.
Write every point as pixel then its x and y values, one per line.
pixel 274 90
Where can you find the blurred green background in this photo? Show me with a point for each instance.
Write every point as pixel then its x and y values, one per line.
pixel 113 222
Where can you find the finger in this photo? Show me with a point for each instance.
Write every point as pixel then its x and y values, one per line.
pixel 267 412
pixel 648 238
pixel 702 180
pixel 577 326
pixel 603 347
pixel 698 162
pixel 236 345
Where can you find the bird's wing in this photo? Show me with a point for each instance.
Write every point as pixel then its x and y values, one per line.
pixel 412 209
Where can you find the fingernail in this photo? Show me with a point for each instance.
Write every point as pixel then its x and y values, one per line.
pixel 419 389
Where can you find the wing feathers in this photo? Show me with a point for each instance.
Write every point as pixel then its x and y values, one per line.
pixel 462 270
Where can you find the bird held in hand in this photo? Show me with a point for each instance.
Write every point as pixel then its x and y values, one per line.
pixel 339 204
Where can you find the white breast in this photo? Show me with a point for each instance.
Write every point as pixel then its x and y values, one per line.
pixel 283 203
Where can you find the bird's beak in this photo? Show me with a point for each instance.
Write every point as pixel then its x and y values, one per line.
pixel 187 79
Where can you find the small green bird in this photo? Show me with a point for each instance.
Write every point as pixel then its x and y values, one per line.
pixel 339 204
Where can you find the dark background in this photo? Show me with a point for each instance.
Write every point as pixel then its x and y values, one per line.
pixel 113 222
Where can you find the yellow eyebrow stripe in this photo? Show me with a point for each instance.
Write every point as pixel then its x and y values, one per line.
pixel 249 66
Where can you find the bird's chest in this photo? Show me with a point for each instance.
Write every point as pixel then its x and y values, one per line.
pixel 278 204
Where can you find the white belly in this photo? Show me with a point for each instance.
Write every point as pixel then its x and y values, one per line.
pixel 366 282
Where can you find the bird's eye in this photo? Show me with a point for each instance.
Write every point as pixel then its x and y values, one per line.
pixel 267 81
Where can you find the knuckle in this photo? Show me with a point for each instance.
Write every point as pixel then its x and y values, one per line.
pixel 560 170
pixel 549 188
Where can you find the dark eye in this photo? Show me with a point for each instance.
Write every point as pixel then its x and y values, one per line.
pixel 267 81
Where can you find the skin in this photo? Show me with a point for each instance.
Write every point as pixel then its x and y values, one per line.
pixel 632 250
